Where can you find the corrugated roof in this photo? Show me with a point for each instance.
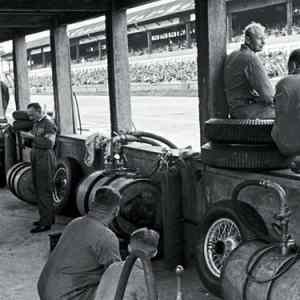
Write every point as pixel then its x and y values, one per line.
pixel 141 16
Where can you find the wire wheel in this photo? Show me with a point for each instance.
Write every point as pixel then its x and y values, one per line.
pixel 221 239
pixel 60 184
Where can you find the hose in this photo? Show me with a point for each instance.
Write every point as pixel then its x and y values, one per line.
pixel 155 137
pixel 78 112
pixel 127 268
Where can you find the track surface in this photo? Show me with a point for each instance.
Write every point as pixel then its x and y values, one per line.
pixel 176 118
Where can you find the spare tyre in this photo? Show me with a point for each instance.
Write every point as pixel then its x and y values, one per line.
pixel 235 131
pixel 235 156
pixel 226 224
pixel 20 115
pixel 66 178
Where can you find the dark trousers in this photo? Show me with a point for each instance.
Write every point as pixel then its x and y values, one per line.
pixel 43 164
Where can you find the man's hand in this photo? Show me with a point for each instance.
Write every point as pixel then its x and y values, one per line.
pixel 27 135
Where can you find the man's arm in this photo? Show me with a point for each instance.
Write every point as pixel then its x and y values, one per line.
pixel 107 251
pixel 259 81
pixel 47 140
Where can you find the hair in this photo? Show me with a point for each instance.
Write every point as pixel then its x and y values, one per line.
pixel 107 198
pixel 253 28
pixel 145 237
pixel 294 58
pixel 35 105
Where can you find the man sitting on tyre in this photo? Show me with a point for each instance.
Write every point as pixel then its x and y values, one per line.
pixel 86 248
pixel 248 89
pixel 143 240
pixel 286 127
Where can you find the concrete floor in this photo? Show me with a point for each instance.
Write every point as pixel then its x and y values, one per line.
pixel 22 256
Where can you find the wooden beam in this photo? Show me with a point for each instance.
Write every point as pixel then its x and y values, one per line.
pixel 22 90
pixel 61 76
pixel 118 70
pixel 234 6
pixel 211 41
pixel 125 4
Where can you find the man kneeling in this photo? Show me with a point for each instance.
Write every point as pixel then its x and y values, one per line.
pixel 86 248
pixel 144 240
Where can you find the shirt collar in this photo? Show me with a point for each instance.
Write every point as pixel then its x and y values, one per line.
pixel 245 47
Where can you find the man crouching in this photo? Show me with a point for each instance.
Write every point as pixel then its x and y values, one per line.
pixel 86 248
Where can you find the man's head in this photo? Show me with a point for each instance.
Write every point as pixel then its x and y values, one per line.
pixel 144 240
pixel 34 111
pixel 255 36
pixel 106 201
pixel 294 61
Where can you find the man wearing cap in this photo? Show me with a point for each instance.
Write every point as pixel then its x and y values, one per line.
pixel 248 89
pixel 143 240
pixel 86 248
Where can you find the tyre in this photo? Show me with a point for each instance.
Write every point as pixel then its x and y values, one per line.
pixel 226 224
pixel 12 171
pixel 254 157
pixel 20 115
pixel 234 131
pixel 23 185
pixel 24 125
pixel 67 175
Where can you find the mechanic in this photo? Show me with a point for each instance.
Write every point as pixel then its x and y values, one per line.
pixel 43 164
pixel 85 249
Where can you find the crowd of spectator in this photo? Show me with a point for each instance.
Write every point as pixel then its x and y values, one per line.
pixel 159 71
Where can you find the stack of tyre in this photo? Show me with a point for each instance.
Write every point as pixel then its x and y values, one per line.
pixel 19 181
pixel 21 121
pixel 241 144
pixel 233 144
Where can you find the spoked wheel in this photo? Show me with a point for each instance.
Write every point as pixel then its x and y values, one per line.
pixel 221 239
pixel 226 224
pixel 60 184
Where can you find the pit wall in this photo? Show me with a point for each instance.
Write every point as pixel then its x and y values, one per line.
pixel 198 186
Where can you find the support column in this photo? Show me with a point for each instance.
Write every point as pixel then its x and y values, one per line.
pixel 149 42
pixel 211 41
pixel 99 50
pixel 188 35
pixel 44 58
pixel 229 28
pixel 118 70
pixel 77 51
pixel 61 76
pixel 22 90
pixel 289 15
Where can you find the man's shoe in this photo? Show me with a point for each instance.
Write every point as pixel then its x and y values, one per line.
pixel 40 228
pixel 36 223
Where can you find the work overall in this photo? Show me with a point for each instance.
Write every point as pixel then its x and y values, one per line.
pixel 43 164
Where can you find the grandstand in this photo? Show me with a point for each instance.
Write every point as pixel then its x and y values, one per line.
pixel 161 42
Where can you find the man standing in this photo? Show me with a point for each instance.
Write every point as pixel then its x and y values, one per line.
pixel 85 249
pixel 143 240
pixel 248 89
pixel 286 127
pixel 43 163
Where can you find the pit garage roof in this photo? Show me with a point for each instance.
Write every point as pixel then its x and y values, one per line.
pixel 142 16
pixel 30 16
